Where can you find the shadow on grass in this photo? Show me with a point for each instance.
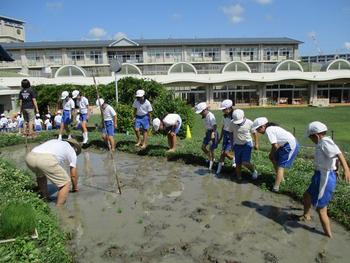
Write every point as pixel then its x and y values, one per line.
pixel 281 216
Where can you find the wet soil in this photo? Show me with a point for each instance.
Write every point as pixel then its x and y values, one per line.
pixel 171 212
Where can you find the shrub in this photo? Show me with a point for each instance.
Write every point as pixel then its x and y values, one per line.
pixel 125 117
pixel 17 219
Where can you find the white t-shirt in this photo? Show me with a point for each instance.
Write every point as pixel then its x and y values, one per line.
pixel 142 109
pixel 83 104
pixel 58 119
pixel 326 152
pixel 242 133
pixel 226 124
pixel 38 122
pixel 108 113
pixel 62 150
pixel 68 104
pixel 209 121
pixel 278 135
pixel 20 120
pixel 4 120
pixel 172 119
pixel 47 122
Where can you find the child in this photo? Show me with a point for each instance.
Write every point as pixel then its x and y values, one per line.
pixel 211 135
pixel 67 105
pixel 284 147
pixel 83 104
pixel 4 122
pixel 323 182
pixel 47 122
pixel 142 115
pixel 58 119
pixel 171 125
pixel 243 142
pixel 38 123
pixel 110 123
pixel 20 122
pixel 226 135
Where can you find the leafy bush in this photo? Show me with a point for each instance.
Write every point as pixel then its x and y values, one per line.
pixel 17 219
pixel 125 117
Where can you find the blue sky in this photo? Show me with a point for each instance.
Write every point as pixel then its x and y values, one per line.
pixel 323 25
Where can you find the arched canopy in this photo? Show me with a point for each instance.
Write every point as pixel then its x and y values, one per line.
pixel 337 64
pixel 130 69
pixel 288 65
pixel 70 71
pixel 182 67
pixel 236 66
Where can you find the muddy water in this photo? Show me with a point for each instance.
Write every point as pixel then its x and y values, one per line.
pixel 170 212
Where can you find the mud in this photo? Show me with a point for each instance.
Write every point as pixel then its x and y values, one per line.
pixel 170 212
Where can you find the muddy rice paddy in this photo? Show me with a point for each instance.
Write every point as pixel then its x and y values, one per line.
pixel 171 212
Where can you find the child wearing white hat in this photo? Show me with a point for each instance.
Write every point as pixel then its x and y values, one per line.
pixel 38 123
pixel 324 180
pixel 243 142
pixel 47 122
pixel 3 122
pixel 170 125
pixel 83 104
pixel 110 123
pixel 68 106
pixel 20 122
pixel 284 147
pixel 58 119
pixel 142 115
pixel 226 135
pixel 211 135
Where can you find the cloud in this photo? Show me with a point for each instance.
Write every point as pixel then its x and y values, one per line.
pixel 97 33
pixel 176 16
pixel 119 35
pixel 264 2
pixel 347 45
pixel 54 5
pixel 234 13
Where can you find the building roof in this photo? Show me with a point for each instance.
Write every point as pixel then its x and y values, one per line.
pixel 152 42
pixel 12 19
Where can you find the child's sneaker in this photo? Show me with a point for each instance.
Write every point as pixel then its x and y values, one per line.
pixel 255 175
pixel 233 162
pixel 211 165
pixel 218 171
pixel 275 189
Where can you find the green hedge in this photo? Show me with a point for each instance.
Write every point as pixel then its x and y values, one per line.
pixel 15 186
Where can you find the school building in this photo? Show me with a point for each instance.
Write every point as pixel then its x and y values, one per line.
pixel 249 71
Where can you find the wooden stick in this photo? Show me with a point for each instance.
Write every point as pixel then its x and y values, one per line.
pixel 109 146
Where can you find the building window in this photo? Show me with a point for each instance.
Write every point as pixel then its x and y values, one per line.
pixel 34 58
pixel 125 56
pixel 197 54
pixel 243 54
pixel 285 53
pixel 96 56
pixel 270 53
pixel 164 55
pixel 76 55
pixel 54 58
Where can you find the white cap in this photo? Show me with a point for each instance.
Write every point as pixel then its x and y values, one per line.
pixel 259 122
pixel 48 115
pixel 37 115
pixel 64 95
pixel 315 127
pixel 98 103
pixel 75 94
pixel 156 124
pixel 140 93
pixel 200 107
pixel 226 104
pixel 59 112
pixel 2 115
pixel 18 113
pixel 237 116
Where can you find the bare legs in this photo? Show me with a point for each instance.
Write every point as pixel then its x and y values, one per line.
pixel 141 141
pixel 62 191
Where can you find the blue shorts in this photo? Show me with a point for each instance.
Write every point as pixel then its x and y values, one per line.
pixel 79 125
pixel 83 117
pixel 142 122
pixel 21 125
pixel 66 117
pixel 58 125
pixel 169 129
pixel 208 140
pixel 49 128
pixel 243 152
pixel 284 155
pixel 109 128
pixel 322 187
pixel 227 141
pixel 37 128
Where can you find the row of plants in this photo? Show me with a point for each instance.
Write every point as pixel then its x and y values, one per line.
pixel 163 101
pixel 21 212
